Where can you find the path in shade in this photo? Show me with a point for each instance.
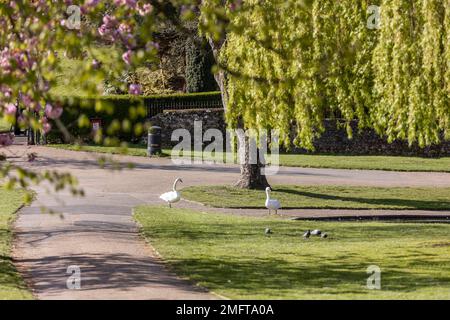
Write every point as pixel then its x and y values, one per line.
pixel 98 234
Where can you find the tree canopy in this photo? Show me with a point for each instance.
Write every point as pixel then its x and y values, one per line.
pixel 280 63
pixel 296 62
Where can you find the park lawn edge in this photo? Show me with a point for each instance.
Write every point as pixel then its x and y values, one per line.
pixel 10 239
pixel 167 265
pixel 315 197
pixel 383 166
pixel 26 286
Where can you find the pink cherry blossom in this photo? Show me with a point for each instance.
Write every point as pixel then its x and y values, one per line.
pixel 46 126
pixel 53 112
pixel 124 28
pixel 135 89
pixel 92 3
pixel 145 9
pixel 127 57
pixel 10 109
pixel 96 64
pixel 26 100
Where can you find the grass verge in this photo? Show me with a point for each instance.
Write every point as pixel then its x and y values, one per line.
pixel 132 150
pixel 231 255
pixel 387 163
pixel 324 197
pixel 12 286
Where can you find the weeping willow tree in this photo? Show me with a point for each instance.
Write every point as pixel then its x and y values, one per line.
pixel 412 72
pixel 290 64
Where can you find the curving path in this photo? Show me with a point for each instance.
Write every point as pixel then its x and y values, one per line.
pixel 98 234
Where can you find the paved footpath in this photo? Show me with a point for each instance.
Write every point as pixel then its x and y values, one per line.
pixel 98 234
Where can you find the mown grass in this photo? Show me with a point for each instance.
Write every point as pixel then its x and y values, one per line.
pixel 387 163
pixel 131 150
pixel 69 79
pixel 324 197
pixel 232 256
pixel 12 286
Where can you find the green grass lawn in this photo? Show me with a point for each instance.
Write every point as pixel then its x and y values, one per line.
pixel 133 150
pixel 324 197
pixel 11 284
pixel 69 81
pixel 388 163
pixel 231 255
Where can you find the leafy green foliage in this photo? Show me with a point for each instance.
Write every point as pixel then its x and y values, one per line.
pixel 34 35
pixel 199 62
pixel 124 117
pixel 288 61
pixel 412 76
pixel 5 126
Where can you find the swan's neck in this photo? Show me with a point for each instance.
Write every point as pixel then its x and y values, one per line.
pixel 268 194
pixel 175 185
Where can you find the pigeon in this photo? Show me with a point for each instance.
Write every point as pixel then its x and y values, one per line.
pixel 307 234
pixel 324 235
pixel 316 232
pixel 268 231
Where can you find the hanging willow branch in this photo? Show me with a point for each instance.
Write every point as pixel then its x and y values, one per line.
pixel 395 79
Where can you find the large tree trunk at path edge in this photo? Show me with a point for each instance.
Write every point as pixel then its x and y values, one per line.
pixel 251 168
pixel 251 175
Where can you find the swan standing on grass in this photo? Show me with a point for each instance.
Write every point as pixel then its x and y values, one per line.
pixel 172 196
pixel 272 204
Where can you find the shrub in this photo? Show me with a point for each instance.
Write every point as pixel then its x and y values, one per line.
pixel 199 61
pixel 123 117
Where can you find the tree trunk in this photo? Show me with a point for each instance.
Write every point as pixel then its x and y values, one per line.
pixel 251 174
pixel 220 76
pixel 251 177
pixel 251 164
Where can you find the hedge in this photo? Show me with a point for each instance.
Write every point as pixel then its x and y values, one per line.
pixel 120 114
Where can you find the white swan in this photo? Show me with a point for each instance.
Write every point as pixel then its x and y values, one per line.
pixel 272 204
pixel 172 196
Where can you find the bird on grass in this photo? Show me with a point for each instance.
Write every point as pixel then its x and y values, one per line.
pixel 316 232
pixel 324 235
pixel 268 231
pixel 307 234
pixel 172 196
pixel 272 204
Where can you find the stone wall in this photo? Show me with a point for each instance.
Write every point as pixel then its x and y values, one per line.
pixel 172 120
pixel 334 140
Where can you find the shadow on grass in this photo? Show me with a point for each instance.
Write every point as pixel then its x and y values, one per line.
pixel 9 277
pixel 273 277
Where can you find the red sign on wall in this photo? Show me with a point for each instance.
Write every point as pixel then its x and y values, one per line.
pixel 96 125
